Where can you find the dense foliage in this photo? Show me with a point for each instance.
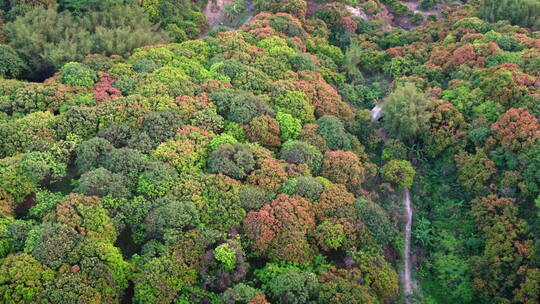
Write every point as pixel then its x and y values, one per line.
pixel 244 167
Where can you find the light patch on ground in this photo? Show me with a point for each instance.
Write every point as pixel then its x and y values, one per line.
pixel 215 12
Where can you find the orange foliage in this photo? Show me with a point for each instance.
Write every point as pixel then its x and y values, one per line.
pixel 280 228
pixel 516 129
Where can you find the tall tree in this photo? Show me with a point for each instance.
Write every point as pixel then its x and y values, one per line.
pixel 405 111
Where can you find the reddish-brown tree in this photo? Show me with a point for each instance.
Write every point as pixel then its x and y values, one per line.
pixel 103 89
pixel 279 230
pixel 264 130
pixel 270 176
pixel 516 130
pixel 345 168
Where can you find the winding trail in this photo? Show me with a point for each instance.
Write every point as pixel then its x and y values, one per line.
pixel 406 273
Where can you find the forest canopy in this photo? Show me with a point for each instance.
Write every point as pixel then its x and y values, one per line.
pixel 149 154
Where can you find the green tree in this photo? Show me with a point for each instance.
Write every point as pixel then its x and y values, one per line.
pixel 400 172
pixel 11 65
pixel 46 39
pixel 405 112
pixel 293 287
pixel 235 161
pixel 521 12
pixel 22 279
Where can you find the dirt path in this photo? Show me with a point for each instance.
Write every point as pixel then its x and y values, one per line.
pixel 215 11
pixel 406 277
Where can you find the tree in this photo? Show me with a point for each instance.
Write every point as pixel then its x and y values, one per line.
pixel 239 106
pixel 82 6
pixel 156 180
pixel 221 208
pixel 43 167
pixel 400 172
pixel 127 162
pixel 279 229
pixel 101 182
pixel 307 187
pixel 289 126
pixel 90 153
pixel 253 198
pixel 299 152
pixel 330 236
pixel 74 73
pixel 167 221
pixel 102 267
pixel 293 287
pixel 235 161
pixel 270 176
pixel 84 215
pixel 52 244
pixel 516 130
pixel 70 288
pixel 394 149
pixel 264 130
pixel 11 65
pixel 161 279
pixel 15 185
pixel 506 251
pixel 520 12
pixel 78 121
pixel 344 168
pixel 446 129
pixel 334 203
pixel 333 131
pixel 475 170
pixel 378 274
pixel 104 90
pixel 46 39
pixel 187 152
pixel 322 95
pixel 405 111
pixel 16 135
pixel 240 293
pixel 22 279
pixel 341 286
pixel 377 220
pixel 296 104
pixel 161 125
